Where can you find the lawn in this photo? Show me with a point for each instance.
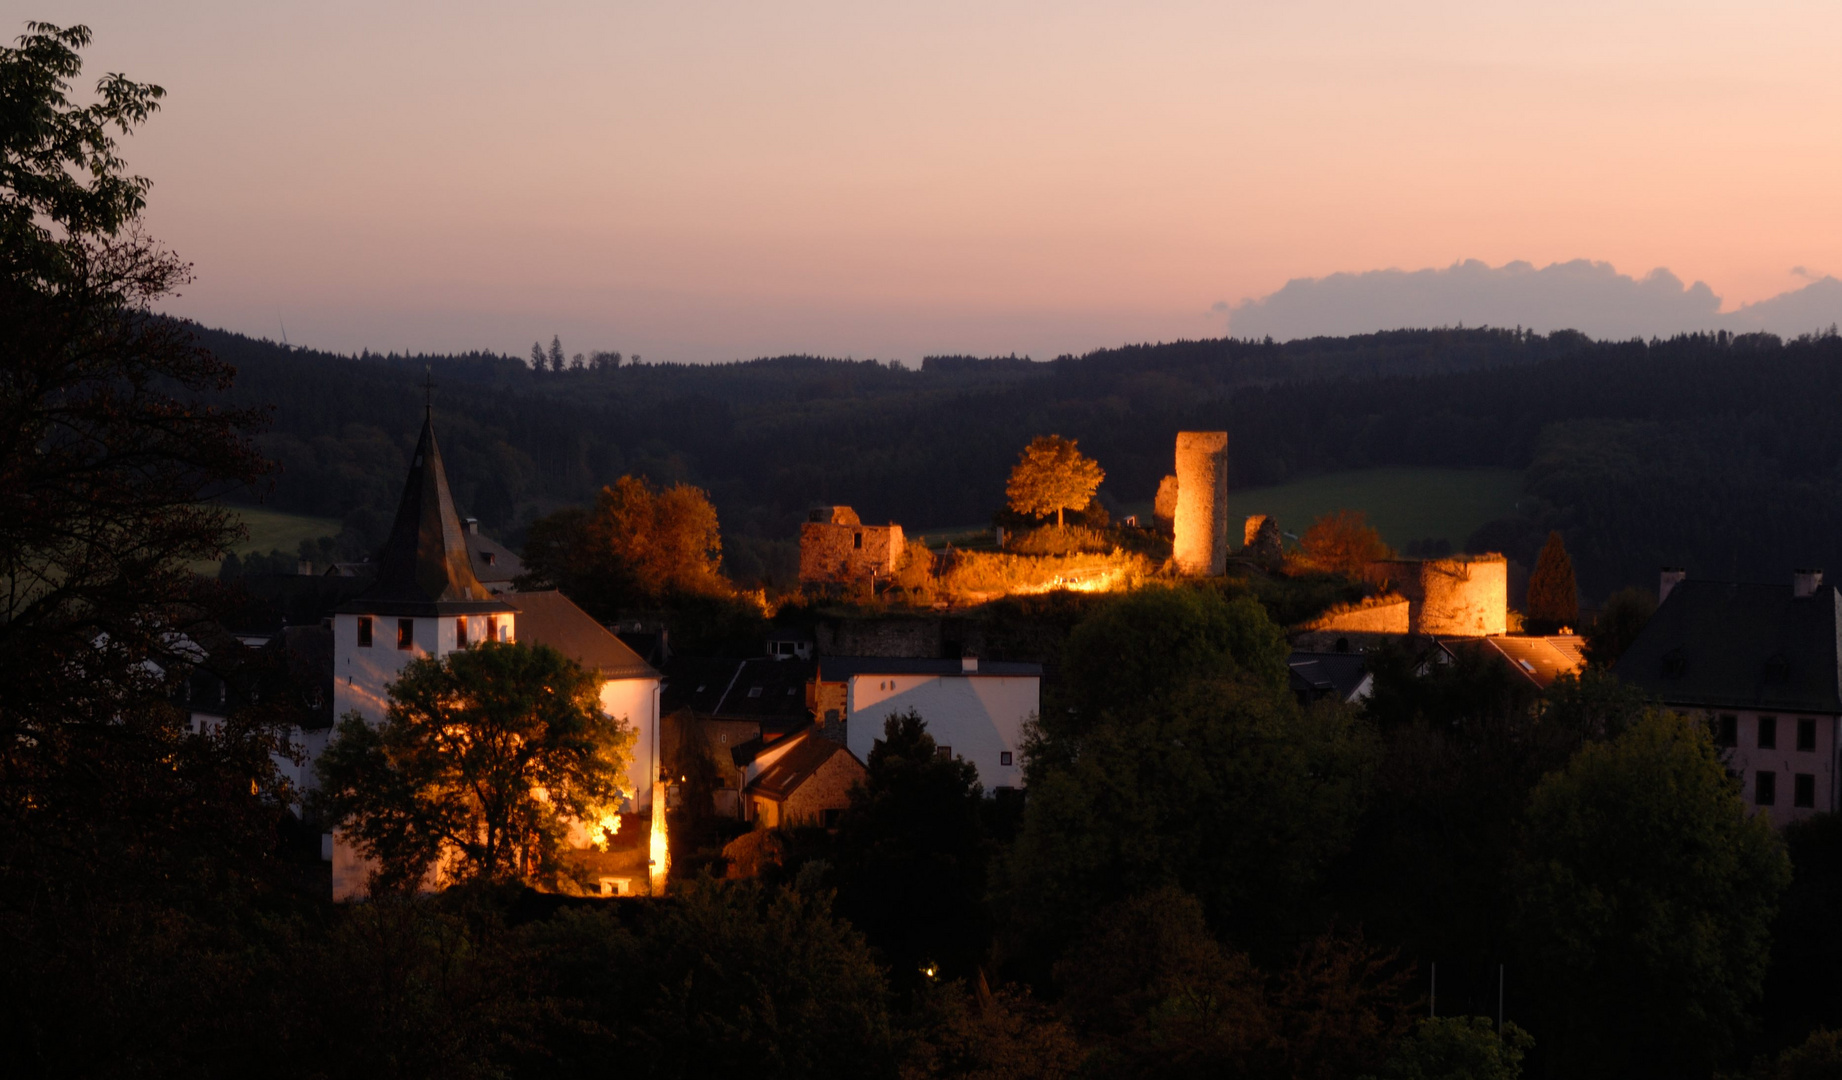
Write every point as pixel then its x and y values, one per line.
pixel 1404 504
pixel 272 530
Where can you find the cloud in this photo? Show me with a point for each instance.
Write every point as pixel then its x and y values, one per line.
pixel 1591 297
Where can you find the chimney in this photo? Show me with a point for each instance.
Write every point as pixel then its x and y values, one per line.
pixel 1672 576
pixel 968 665
pixel 472 525
pixel 1805 582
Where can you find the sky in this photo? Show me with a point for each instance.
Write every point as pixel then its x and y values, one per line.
pixel 708 181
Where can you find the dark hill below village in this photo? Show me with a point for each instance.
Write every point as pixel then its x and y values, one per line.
pixel 1712 452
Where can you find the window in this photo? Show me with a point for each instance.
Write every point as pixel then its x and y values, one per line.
pixel 945 753
pixel 1806 735
pixel 829 818
pixel 460 632
pixel 491 559
pixel 364 631
pixel 1004 757
pixel 754 691
pixel 1764 787
pixel 406 633
pixel 1768 733
pixel 492 628
pixel 1726 730
pixel 1803 790
pixel 857 541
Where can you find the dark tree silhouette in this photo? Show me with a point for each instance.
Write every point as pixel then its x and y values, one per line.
pixel 1554 600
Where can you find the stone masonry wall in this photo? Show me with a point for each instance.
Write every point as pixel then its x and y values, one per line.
pixel 1201 545
pixel 1461 596
pixel 827 789
pixel 844 554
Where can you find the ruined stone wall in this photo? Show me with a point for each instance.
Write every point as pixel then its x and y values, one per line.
pixel 1261 539
pixel 835 553
pixel 1202 503
pixel 1460 596
pixel 1388 614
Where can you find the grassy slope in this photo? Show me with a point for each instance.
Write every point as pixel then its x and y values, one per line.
pixel 272 530
pixel 1404 504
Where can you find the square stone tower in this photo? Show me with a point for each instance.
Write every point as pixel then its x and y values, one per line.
pixel 1201 546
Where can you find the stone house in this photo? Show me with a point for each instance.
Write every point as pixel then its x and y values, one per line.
pixel 801 780
pixel 837 548
pixel 1760 664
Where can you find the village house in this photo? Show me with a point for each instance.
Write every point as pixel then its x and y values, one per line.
pixel 1759 662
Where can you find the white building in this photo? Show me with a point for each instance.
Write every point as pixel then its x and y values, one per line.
pixel 427 601
pixel 975 710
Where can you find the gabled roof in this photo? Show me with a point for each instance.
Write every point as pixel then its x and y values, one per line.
pixel 424 568
pixel 798 765
pixel 1722 644
pixel 493 563
pixel 550 618
pixel 1537 659
pixel 837 668
pixel 1322 674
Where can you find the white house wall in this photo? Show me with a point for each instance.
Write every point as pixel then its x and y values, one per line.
pixel 636 702
pixel 362 674
pixel 980 716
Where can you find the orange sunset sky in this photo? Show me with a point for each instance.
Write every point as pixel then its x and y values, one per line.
pixel 711 181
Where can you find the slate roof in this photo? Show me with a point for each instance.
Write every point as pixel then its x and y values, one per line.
pixel 1320 674
pixel 493 563
pixel 797 766
pixel 1537 659
pixel 424 568
pixel 550 618
pixel 1743 646
pixel 772 692
pixel 836 668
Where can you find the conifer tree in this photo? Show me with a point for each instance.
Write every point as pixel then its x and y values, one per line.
pixel 1554 601
pixel 556 353
pixel 537 358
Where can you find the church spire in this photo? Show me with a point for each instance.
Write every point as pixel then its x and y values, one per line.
pixel 424 568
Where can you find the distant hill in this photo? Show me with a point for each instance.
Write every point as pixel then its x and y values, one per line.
pixel 1711 451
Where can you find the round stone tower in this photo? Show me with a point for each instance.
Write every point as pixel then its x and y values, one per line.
pixel 1202 503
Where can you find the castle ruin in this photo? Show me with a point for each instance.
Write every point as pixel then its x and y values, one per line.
pixel 837 548
pixel 1459 596
pixel 1201 546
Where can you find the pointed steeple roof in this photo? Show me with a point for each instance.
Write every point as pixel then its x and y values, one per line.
pixel 424 568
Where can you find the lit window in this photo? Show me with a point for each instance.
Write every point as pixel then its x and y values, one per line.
pixel 460 632
pixel 364 631
pixel 406 633
pixel 1803 791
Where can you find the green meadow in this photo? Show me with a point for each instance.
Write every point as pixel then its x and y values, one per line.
pixel 1405 505
pixel 272 530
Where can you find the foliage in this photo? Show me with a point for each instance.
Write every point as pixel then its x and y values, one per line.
pixel 636 546
pixel 1645 899
pixel 915 575
pixel 1554 600
pixel 721 979
pixel 484 757
pixel 1459 1048
pixel 1051 476
pixel 1800 991
pixel 1818 1057
pixel 1342 543
pixel 1141 646
pixel 1059 540
pixel 913 856
pixel 980 1035
pixel 1624 617
pixel 984 574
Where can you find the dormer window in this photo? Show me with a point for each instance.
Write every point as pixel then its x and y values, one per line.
pixel 1675 664
pixel 492 558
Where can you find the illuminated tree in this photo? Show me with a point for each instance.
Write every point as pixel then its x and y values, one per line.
pixel 485 756
pixel 1554 601
pixel 1343 543
pixel 636 546
pixel 1051 476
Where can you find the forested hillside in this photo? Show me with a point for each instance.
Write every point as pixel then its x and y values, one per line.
pixel 1712 452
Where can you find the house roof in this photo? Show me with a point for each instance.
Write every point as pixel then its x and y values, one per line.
pixel 836 668
pixel 1325 673
pixel 550 618
pixel 1716 643
pixel 772 692
pixel 424 567
pixel 1538 659
pixel 493 562
pixel 798 765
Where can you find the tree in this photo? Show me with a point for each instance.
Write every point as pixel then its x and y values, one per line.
pixel 912 856
pixel 485 756
pixel 637 546
pixel 1343 543
pixel 1645 900
pixel 556 354
pixel 1554 600
pixel 1459 1048
pixel 1050 476
pixel 1626 613
pixel 538 361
